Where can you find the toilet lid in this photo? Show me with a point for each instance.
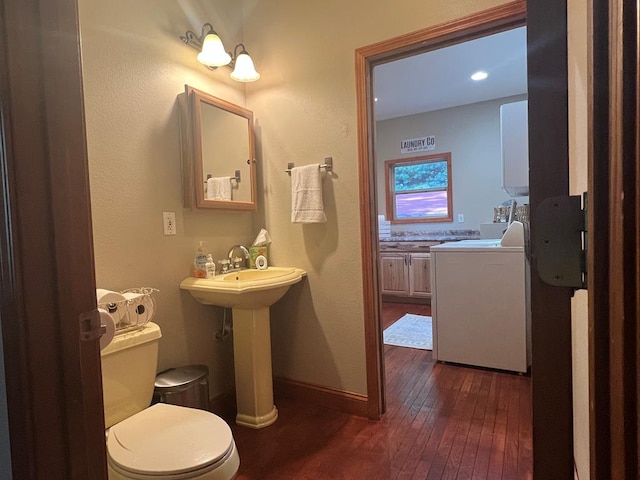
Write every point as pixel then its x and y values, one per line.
pixel 167 439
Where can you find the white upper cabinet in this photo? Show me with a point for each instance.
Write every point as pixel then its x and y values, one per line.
pixel 514 129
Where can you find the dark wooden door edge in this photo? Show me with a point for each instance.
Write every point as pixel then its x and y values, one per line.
pixel 548 177
pixel 54 396
pixel 598 227
pixel 615 225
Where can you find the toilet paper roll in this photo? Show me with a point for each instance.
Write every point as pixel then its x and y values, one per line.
pixel 108 296
pixel 113 302
pixel 261 262
pixel 140 307
pixel 109 323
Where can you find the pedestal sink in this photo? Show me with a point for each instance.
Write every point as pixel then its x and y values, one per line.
pixel 249 293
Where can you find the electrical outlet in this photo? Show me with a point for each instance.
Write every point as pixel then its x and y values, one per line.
pixel 169 222
pixel 461 218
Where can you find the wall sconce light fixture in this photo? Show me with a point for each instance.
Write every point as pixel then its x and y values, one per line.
pixel 213 55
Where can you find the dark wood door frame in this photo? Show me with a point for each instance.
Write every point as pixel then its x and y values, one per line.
pixel 614 227
pixel 53 381
pixel 548 131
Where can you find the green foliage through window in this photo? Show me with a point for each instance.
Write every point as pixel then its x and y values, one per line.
pixel 419 189
pixel 421 176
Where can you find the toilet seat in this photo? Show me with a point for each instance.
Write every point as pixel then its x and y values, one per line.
pixel 169 442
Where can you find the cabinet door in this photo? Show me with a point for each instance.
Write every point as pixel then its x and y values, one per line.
pixel 420 275
pixel 394 274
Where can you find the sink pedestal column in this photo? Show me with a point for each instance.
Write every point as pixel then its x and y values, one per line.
pixel 252 357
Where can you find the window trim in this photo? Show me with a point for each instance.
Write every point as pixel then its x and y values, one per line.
pixel 390 192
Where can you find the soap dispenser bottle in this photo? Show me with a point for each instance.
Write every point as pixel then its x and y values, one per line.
pixel 210 267
pixel 199 262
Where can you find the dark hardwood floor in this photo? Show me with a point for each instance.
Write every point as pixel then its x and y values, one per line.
pixel 442 422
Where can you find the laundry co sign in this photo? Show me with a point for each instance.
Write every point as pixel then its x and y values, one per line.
pixel 421 144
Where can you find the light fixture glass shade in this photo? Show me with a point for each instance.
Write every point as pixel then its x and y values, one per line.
pixel 213 53
pixel 244 70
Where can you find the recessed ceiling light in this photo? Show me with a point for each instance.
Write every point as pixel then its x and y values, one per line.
pixel 479 75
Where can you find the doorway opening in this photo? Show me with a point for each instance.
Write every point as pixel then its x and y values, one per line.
pixel 438 169
pixel 479 25
pixel 445 186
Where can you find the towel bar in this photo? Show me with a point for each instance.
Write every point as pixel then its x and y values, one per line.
pixel 327 165
pixel 236 177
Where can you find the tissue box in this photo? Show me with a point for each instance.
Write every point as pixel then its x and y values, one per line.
pixel 255 252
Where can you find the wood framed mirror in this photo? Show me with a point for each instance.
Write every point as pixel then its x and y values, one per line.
pixel 218 153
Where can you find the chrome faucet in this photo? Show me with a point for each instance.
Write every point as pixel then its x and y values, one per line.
pixel 238 263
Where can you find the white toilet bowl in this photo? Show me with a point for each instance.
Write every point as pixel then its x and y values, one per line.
pixel 161 442
pixel 168 442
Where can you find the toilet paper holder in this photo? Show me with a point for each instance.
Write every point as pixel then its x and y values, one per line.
pixel 135 308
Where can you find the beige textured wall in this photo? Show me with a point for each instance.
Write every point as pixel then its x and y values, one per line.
pixel 578 161
pixel 305 110
pixel 134 66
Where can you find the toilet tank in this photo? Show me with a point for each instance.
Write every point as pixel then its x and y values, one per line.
pixel 129 365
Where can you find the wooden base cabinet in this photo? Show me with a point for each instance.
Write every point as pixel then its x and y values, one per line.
pixel 420 275
pixel 405 274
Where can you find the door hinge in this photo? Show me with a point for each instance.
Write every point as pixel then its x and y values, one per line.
pixel 561 241
pixel 90 326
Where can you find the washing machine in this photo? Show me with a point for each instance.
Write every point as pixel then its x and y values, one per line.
pixel 480 302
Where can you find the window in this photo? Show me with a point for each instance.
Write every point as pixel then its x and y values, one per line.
pixel 418 189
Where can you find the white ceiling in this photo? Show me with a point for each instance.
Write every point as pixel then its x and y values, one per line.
pixel 441 78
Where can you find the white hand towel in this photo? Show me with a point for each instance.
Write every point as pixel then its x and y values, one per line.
pixel 218 188
pixel 306 195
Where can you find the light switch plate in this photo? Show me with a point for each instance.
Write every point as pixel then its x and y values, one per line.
pixel 461 218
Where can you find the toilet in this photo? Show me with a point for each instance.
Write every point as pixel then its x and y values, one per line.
pixel 162 441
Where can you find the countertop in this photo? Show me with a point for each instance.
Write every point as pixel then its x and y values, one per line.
pixel 432 236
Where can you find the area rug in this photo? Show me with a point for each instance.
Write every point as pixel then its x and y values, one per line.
pixel 413 331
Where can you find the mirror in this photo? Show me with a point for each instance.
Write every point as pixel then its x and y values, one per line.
pixel 218 153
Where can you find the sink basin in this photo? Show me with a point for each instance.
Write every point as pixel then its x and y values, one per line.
pixel 244 288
